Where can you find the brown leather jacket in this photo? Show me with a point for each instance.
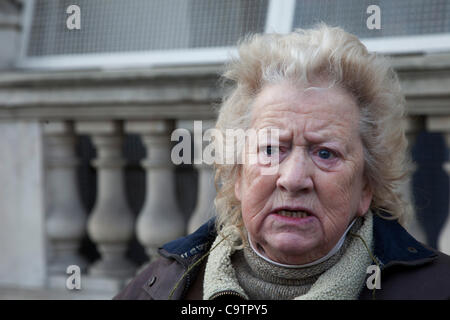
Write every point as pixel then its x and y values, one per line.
pixel 409 270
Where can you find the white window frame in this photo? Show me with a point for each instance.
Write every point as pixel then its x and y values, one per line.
pixel 280 17
pixel 113 60
pixel 438 42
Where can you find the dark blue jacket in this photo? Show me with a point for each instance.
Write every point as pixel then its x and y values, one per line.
pixel 409 270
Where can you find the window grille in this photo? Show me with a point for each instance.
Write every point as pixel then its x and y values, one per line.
pixel 116 33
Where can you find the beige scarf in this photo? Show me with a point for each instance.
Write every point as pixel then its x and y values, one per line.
pixel 343 281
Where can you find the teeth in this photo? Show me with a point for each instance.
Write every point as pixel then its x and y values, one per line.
pixel 293 214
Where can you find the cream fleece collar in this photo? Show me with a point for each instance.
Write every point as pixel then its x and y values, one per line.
pixel 343 281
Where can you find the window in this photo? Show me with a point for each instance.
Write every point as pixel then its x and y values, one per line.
pixel 406 25
pixel 117 33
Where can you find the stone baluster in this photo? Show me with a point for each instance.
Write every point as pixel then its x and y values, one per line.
pixel 66 218
pixel 110 225
pixel 412 128
pixel 444 238
pixel 442 124
pixel 160 220
pixel 206 190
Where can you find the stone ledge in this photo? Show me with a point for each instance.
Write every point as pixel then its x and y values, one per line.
pixel 188 92
pixel 45 77
pixel 92 288
pixel 50 294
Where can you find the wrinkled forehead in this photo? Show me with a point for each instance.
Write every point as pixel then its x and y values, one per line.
pixel 322 103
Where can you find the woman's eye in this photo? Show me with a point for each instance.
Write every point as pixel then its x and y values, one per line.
pixel 325 154
pixel 270 150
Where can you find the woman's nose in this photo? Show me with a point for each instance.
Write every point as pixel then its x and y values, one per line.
pixel 295 173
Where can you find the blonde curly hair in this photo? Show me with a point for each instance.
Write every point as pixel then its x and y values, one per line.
pixel 302 57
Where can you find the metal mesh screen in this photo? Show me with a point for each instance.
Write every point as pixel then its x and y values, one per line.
pixel 398 18
pixel 142 25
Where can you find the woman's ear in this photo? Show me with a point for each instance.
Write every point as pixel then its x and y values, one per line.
pixel 366 198
pixel 237 185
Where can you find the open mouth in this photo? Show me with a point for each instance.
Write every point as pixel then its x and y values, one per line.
pixel 293 214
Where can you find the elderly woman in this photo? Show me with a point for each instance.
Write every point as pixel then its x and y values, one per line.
pixel 325 223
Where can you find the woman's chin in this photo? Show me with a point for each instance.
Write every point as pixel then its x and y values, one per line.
pixel 292 249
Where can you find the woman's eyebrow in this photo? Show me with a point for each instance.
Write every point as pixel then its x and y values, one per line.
pixel 315 137
pixel 272 125
pixel 279 136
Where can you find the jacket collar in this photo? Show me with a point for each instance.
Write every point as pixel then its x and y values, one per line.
pixel 192 244
pixel 393 244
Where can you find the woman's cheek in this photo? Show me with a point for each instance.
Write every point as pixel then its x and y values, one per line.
pixel 337 197
pixel 254 180
pixel 257 191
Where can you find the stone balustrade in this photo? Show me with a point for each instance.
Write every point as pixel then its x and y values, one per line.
pixel 108 105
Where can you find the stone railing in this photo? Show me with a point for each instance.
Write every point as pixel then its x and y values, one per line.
pixel 57 107
pixel 106 106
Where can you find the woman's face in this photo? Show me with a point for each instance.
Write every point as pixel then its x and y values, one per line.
pixel 299 213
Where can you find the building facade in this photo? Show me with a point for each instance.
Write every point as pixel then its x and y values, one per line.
pixel 91 92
